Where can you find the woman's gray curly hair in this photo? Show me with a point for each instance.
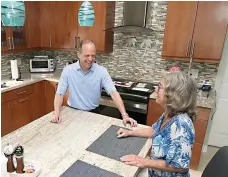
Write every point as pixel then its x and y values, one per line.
pixel 181 94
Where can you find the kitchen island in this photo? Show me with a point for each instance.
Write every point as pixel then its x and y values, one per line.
pixel 58 146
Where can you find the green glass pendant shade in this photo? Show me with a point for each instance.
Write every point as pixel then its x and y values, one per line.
pixel 86 15
pixel 13 13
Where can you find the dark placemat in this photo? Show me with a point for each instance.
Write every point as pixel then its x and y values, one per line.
pixel 110 146
pixel 83 169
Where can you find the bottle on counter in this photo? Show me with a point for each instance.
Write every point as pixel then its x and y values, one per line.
pixel 9 152
pixel 18 152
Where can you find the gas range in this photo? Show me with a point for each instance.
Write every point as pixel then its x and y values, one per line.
pixel 135 96
pixel 134 91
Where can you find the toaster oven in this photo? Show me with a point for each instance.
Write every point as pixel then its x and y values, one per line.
pixel 42 64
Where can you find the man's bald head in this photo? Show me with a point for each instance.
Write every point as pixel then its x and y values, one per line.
pixel 86 42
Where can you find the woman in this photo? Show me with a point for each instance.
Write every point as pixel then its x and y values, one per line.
pixel 173 134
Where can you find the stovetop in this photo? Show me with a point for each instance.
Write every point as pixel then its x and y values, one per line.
pixel 138 88
pixel 134 91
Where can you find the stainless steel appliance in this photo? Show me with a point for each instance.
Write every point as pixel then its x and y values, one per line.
pixel 135 96
pixel 42 64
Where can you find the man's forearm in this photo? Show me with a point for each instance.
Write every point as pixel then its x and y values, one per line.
pixel 146 132
pixel 161 166
pixel 58 103
pixel 118 102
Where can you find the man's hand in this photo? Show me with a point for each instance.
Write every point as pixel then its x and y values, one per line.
pixel 127 119
pixel 134 160
pixel 56 118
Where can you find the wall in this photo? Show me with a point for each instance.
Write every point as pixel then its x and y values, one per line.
pixel 127 62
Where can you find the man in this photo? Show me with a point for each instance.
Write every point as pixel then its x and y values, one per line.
pixel 85 79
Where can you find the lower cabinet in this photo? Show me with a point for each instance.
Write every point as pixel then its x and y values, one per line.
pixel 21 112
pixel 200 124
pixel 39 103
pixel 50 89
pixel 5 117
pixel 26 104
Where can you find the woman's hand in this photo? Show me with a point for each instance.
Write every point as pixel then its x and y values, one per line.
pixel 123 133
pixel 134 160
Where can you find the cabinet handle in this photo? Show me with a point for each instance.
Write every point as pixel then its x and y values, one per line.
pixel 187 49
pixel 9 42
pixel 50 41
pixel 22 100
pixel 19 93
pixel 13 42
pixel 78 42
pixel 75 43
pixel 193 48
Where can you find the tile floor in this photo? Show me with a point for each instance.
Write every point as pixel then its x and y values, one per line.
pixel 205 158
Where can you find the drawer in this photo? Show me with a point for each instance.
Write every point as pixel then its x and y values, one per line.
pixel 196 153
pixel 203 113
pixel 200 130
pixel 17 93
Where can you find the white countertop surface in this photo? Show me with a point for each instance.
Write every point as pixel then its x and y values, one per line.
pixel 58 146
pixel 30 78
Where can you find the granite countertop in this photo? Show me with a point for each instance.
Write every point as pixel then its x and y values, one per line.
pixel 30 78
pixel 58 146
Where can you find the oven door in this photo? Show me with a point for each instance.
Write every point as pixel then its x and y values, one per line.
pixel 39 65
pixel 135 110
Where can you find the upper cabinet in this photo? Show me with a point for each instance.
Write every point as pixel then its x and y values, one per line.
pixel 13 26
pixel 54 25
pixel 47 23
pixel 60 27
pixel 195 29
pixel 103 19
pixel 32 24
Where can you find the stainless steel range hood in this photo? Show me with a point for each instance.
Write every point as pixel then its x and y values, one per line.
pixel 134 18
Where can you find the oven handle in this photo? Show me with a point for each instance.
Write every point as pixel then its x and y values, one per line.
pixel 129 105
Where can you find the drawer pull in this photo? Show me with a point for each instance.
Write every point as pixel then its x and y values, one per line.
pixel 19 93
pixel 22 100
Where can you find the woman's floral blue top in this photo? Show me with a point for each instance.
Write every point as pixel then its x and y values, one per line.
pixel 173 143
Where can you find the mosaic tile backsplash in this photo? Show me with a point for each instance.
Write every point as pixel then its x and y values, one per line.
pixel 134 56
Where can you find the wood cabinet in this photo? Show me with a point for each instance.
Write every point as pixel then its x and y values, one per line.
pixel 47 31
pixel 5 116
pixel 200 124
pixel 179 29
pixel 21 112
pixel 50 89
pixel 32 24
pixel 39 100
pixel 65 22
pixel 103 39
pixel 17 108
pixel 195 29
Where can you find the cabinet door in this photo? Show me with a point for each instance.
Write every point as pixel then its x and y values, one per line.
pixel 39 100
pixel 18 37
pixel 154 112
pixel 21 112
pixel 65 22
pixel 179 29
pixel 5 119
pixel 32 24
pixel 5 39
pixel 210 30
pixel 103 40
pixel 46 23
pixel 50 89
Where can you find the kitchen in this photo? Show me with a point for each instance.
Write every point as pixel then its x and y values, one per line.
pixel 144 55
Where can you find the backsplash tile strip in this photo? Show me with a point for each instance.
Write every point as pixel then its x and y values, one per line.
pixel 128 62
